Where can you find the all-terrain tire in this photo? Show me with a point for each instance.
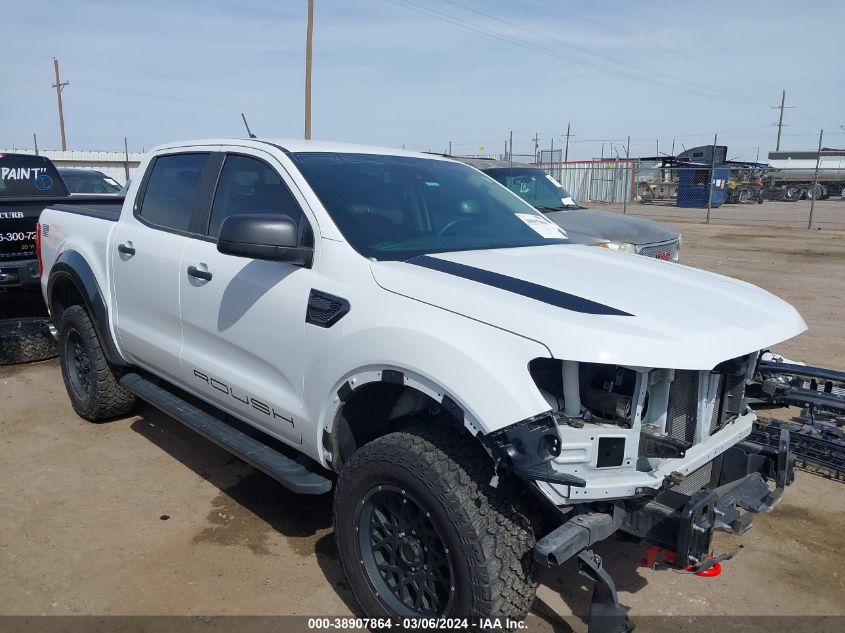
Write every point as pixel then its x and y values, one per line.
pixel 26 340
pixel 91 382
pixel 443 470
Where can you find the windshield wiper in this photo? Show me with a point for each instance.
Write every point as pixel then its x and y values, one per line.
pixel 558 208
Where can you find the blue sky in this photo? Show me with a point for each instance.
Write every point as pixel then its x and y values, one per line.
pixel 422 73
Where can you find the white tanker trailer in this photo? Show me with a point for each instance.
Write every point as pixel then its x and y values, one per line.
pixel 792 175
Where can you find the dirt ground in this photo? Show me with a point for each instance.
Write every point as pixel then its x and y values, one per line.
pixel 827 214
pixel 140 516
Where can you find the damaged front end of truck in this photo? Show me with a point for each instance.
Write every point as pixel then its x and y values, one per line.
pixel 657 454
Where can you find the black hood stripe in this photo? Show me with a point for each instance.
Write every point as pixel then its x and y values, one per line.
pixel 517 286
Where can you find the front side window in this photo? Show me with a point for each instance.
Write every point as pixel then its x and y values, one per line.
pixel 534 186
pixel 396 207
pixel 249 185
pixel 171 190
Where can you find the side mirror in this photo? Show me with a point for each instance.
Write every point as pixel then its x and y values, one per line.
pixel 273 237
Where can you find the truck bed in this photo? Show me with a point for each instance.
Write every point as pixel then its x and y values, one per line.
pixel 106 210
pixel 18 217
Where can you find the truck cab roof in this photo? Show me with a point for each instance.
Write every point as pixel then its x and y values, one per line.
pixel 297 145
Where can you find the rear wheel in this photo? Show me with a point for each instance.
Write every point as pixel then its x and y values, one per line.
pixel 91 382
pixel 421 533
pixel 26 340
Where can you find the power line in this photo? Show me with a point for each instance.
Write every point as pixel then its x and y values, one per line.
pixel 466 24
pixel 164 97
pixel 654 45
pixel 626 34
pixel 581 49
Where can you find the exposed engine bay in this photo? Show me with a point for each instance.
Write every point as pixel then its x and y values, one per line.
pixel 659 428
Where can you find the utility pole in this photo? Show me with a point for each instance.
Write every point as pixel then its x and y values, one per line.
pixel 536 147
pixel 35 141
pixel 711 175
pixel 309 44
pixel 781 107
pixel 815 182
pixel 59 86
pixel 450 148
pixel 627 174
pixel 510 153
pixel 566 151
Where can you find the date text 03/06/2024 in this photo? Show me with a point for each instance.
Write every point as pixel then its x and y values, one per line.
pixel 436 624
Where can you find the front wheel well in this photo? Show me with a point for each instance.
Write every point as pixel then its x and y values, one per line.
pixel 377 408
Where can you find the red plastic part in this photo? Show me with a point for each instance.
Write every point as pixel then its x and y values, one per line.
pixel 711 572
pixel 652 553
pixel 670 558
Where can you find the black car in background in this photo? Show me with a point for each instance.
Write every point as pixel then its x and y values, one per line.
pixel 28 183
pixel 88 181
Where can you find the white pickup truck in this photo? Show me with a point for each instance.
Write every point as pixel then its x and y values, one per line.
pixel 484 396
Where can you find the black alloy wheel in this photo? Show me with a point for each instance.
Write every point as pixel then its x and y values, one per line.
pixel 77 365
pixel 403 555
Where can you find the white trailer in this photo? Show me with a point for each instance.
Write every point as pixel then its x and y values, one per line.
pixel 793 174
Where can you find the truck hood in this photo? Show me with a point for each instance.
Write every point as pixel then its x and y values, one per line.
pixel 592 305
pixel 605 226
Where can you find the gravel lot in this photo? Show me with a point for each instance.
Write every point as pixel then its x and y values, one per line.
pixel 827 214
pixel 140 516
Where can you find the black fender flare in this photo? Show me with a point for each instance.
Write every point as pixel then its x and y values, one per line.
pixel 71 267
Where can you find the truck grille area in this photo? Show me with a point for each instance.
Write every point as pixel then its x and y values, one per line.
pixel 666 250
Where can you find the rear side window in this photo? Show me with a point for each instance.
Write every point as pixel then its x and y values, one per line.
pixel 249 185
pixel 171 190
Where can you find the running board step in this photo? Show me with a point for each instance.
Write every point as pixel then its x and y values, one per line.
pixel 286 470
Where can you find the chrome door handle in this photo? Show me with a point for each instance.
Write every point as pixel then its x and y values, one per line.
pixel 193 271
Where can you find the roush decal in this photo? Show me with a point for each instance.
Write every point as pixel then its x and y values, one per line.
pixel 518 286
pixel 245 399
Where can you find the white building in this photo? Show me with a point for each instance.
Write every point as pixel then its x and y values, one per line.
pixel 115 164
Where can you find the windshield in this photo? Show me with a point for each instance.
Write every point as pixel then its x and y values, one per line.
pixel 90 183
pixel 534 186
pixel 396 207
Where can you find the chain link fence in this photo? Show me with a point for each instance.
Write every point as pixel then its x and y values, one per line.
pixel 811 195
